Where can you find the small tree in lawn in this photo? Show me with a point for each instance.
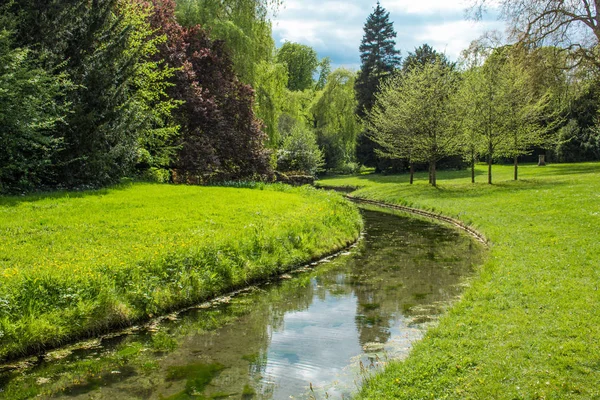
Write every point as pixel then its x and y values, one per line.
pixel 483 109
pixel 531 113
pixel 469 106
pixel 469 103
pixel 386 130
pixel 415 118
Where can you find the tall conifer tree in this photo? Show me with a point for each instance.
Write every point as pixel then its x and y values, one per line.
pixel 379 59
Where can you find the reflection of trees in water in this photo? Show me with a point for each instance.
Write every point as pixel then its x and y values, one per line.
pixel 416 263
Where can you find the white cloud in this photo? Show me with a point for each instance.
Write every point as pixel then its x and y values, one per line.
pixel 301 31
pixel 334 28
pixel 425 7
pixel 454 36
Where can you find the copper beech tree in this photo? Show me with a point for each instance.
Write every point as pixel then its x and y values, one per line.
pixel 220 137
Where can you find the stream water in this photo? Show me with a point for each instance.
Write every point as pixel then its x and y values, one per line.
pixel 315 333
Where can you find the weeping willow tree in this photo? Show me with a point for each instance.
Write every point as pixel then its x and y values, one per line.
pixel 245 28
pixel 335 122
pixel 242 24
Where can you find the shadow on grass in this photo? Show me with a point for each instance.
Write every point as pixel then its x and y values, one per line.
pixel 15 200
pixel 397 185
pixel 571 169
pixel 483 189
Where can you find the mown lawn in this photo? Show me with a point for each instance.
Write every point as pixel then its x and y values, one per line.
pixel 74 264
pixel 528 327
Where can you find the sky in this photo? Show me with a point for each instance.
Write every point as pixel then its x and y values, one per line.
pixel 334 28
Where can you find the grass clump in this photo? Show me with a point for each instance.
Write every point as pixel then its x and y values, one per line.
pixel 74 264
pixel 527 327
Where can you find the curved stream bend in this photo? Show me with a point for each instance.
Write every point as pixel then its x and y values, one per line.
pixel 314 333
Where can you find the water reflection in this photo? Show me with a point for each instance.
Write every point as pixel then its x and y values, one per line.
pixel 310 335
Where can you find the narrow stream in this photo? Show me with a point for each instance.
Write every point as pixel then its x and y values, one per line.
pixel 316 333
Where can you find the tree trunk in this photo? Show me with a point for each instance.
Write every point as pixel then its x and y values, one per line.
pixel 490 169
pixel 412 173
pixel 432 173
pixel 516 168
pixel 472 167
pixel 430 182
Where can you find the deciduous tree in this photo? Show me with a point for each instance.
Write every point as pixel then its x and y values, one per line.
pixel 336 125
pixel 414 117
pixel 301 61
pixel 573 25
pixel 220 138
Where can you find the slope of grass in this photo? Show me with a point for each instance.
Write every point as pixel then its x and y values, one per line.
pixel 528 326
pixel 75 264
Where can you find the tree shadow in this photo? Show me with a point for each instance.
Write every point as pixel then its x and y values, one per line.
pixel 16 200
pixel 572 169
pixel 483 189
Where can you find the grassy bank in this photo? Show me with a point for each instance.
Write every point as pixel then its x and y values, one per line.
pixel 75 264
pixel 527 328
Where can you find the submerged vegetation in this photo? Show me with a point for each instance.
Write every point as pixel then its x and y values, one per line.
pixel 78 263
pixel 527 327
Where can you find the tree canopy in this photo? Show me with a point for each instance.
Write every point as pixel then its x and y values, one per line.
pixel 571 25
pixel 301 62
pixel 413 116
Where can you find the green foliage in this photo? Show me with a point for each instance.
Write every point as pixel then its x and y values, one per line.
pixel 152 107
pixel 300 152
pixel 324 71
pixel 301 61
pixel 507 107
pixel 119 115
pixel 296 108
pixel 379 59
pixel 271 91
pixel 79 263
pixel 30 110
pixel 424 54
pixel 579 139
pixel 414 117
pixel 378 56
pixel 336 125
pixel 524 327
pixel 242 24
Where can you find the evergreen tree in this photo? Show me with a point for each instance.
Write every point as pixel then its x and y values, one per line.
pixel 29 113
pixel 424 54
pixel 378 56
pixel 379 59
pixel 118 112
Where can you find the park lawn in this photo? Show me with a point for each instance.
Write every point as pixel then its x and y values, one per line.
pixel 74 264
pixel 528 326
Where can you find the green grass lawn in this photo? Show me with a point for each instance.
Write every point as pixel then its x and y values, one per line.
pixel 78 263
pixel 528 327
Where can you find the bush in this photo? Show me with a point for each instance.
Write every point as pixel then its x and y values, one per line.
pixel 300 152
